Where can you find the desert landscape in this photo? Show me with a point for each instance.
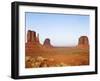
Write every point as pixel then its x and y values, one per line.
pixel 46 55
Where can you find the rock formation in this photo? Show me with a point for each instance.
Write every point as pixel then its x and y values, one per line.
pixel 37 39
pixel 32 40
pixel 83 42
pixel 47 43
pixel 31 37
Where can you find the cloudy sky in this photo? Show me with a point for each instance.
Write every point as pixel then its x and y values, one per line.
pixel 62 29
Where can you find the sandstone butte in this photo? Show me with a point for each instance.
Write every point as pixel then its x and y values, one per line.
pixel 33 41
pixel 83 42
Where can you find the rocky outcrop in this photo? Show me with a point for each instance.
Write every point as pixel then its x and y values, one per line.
pixel 83 42
pixel 47 43
pixel 33 44
pixel 31 37
pixel 32 40
pixel 37 39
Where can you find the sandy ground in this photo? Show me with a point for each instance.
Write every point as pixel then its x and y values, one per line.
pixel 57 56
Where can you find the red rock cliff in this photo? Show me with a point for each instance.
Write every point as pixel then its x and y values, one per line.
pixel 31 36
pixel 47 43
pixel 32 40
pixel 83 42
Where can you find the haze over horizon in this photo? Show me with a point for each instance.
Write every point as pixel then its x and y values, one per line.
pixel 62 30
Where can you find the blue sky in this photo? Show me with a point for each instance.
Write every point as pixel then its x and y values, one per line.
pixel 62 29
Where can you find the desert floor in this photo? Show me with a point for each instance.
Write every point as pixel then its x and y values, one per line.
pixel 56 56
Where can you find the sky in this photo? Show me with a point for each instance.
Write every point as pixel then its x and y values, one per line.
pixel 61 29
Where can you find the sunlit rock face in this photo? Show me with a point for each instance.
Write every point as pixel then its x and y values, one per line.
pixel 47 43
pixel 83 42
pixel 31 36
pixel 32 40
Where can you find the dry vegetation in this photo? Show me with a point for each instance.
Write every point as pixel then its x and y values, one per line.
pixel 55 57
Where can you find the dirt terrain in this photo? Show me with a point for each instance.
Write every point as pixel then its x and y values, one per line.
pixel 47 55
pixel 56 56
